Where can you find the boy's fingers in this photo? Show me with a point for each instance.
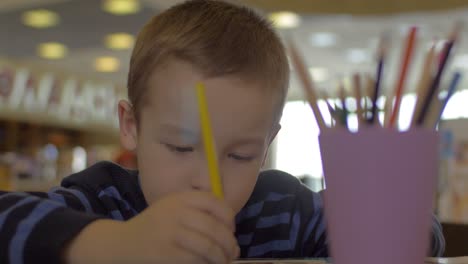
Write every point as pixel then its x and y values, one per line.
pixel 209 203
pixel 210 227
pixel 201 246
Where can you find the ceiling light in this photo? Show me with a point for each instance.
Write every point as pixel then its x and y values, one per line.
pixel 119 41
pixel 52 50
pixel 323 39
pixel 106 64
pixel 121 7
pixel 357 55
pixel 40 18
pixel 285 19
pixel 319 74
pixel 461 61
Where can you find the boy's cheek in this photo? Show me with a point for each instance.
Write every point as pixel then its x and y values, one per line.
pixel 156 183
pixel 239 188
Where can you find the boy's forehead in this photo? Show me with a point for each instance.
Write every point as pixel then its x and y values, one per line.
pixel 179 105
pixel 172 95
pixel 176 80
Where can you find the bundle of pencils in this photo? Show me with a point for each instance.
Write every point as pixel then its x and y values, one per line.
pixel 428 108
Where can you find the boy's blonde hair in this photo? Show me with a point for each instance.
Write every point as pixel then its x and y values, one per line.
pixel 217 38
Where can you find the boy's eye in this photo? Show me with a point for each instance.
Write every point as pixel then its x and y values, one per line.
pixel 239 157
pixel 179 149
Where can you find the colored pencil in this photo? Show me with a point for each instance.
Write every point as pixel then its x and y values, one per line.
pixel 344 109
pixel 358 97
pixel 389 99
pixel 380 67
pixel 325 97
pixel 424 82
pixel 369 95
pixel 307 85
pixel 456 78
pixel 436 81
pixel 208 142
pixel 408 53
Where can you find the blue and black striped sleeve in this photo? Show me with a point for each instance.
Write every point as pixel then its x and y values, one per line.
pixel 314 242
pixel 34 227
pixel 282 219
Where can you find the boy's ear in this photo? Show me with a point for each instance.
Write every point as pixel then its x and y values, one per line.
pixel 127 125
pixel 273 134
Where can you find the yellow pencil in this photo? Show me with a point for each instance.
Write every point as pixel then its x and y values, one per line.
pixel 209 143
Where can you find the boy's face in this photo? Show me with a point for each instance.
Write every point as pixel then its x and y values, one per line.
pixel 168 142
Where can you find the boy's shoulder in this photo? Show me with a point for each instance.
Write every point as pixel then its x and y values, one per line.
pixel 274 185
pixel 280 209
pixel 277 181
pixel 108 178
pixel 101 174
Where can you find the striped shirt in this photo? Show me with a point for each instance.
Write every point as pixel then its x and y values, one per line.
pixel 282 218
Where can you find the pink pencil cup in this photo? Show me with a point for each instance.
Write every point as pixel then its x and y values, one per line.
pixel 379 193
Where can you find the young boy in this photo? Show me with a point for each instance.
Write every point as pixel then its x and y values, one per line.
pixel 165 212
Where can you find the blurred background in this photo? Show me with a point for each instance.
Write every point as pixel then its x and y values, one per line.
pixel 64 63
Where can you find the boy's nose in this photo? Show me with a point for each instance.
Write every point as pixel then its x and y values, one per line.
pixel 201 179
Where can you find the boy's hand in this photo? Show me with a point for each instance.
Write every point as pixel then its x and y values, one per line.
pixel 189 227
